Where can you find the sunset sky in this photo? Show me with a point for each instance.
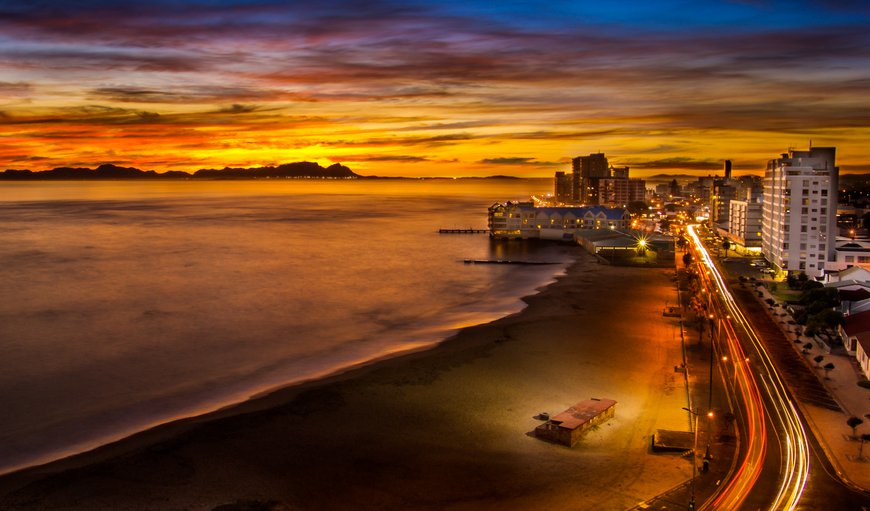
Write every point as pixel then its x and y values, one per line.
pixel 440 88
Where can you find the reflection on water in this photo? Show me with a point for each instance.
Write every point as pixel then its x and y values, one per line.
pixel 128 304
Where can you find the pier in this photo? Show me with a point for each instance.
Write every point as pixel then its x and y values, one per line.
pixel 462 231
pixel 504 261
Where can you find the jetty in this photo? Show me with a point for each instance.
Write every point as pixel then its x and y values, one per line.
pixel 462 231
pixel 504 261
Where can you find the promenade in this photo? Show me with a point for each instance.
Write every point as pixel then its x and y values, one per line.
pixel 840 384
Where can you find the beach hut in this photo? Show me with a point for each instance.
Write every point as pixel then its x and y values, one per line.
pixel 568 427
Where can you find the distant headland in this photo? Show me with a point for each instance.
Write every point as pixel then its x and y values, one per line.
pixel 298 170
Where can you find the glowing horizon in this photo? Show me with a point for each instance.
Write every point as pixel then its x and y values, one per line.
pixel 432 89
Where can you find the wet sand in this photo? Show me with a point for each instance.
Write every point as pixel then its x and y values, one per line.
pixel 442 429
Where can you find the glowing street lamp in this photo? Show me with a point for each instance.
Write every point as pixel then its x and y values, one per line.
pixel 694 457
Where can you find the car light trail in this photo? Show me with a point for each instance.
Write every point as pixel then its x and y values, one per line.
pixel 794 457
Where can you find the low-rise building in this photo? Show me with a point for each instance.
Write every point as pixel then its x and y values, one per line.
pixel 524 220
pixel 850 252
pixel 567 427
pixel 863 354
pixel 632 248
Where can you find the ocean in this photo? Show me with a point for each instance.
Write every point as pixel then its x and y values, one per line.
pixel 127 304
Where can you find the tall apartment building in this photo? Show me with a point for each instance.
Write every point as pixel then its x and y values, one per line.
pixel 587 172
pixel 744 219
pixel 563 187
pixel 620 191
pixel 724 191
pixel 799 211
pixel 594 182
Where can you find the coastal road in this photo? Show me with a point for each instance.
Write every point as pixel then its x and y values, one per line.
pixel 779 464
pixel 772 463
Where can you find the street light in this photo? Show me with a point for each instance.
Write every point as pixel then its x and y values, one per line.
pixel 694 457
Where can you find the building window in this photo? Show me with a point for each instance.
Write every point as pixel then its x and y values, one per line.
pixel 803 228
pixel 824 193
pixel 850 259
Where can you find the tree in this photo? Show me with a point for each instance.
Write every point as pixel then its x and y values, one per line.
pixel 687 259
pixel 726 245
pixel 637 207
pixel 828 368
pixel 853 422
pixel 828 319
pixel 818 359
pixel 682 243
pixel 807 347
pixel 791 281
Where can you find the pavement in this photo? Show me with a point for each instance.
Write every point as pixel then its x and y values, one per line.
pixel 716 439
pixel 829 426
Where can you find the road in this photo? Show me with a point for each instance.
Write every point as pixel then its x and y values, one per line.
pixel 779 465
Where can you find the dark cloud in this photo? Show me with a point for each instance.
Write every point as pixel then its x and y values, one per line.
pixel 10 89
pixel 384 157
pixel 677 163
pixel 239 109
pixel 58 58
pixel 440 140
pixel 195 94
pixel 517 161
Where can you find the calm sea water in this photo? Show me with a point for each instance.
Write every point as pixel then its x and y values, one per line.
pixel 128 304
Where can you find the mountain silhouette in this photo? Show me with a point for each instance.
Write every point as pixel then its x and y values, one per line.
pixel 302 169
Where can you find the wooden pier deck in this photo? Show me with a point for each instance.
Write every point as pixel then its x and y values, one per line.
pixel 462 231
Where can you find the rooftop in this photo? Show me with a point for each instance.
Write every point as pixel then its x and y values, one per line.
pixel 582 412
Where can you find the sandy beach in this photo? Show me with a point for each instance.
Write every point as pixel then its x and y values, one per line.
pixel 443 429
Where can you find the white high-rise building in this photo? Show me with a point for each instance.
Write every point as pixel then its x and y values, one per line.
pixel 799 216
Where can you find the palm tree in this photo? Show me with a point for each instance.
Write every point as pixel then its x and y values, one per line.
pixel 726 245
pixel 818 359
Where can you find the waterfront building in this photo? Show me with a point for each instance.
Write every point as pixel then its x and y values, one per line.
pixel 523 220
pixel 621 246
pixel 799 211
pixel 568 427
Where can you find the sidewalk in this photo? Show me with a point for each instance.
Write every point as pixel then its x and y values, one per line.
pixel 716 440
pixel 830 426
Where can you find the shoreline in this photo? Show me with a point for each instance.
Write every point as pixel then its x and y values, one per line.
pixel 468 362
pixel 225 406
pixel 260 399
